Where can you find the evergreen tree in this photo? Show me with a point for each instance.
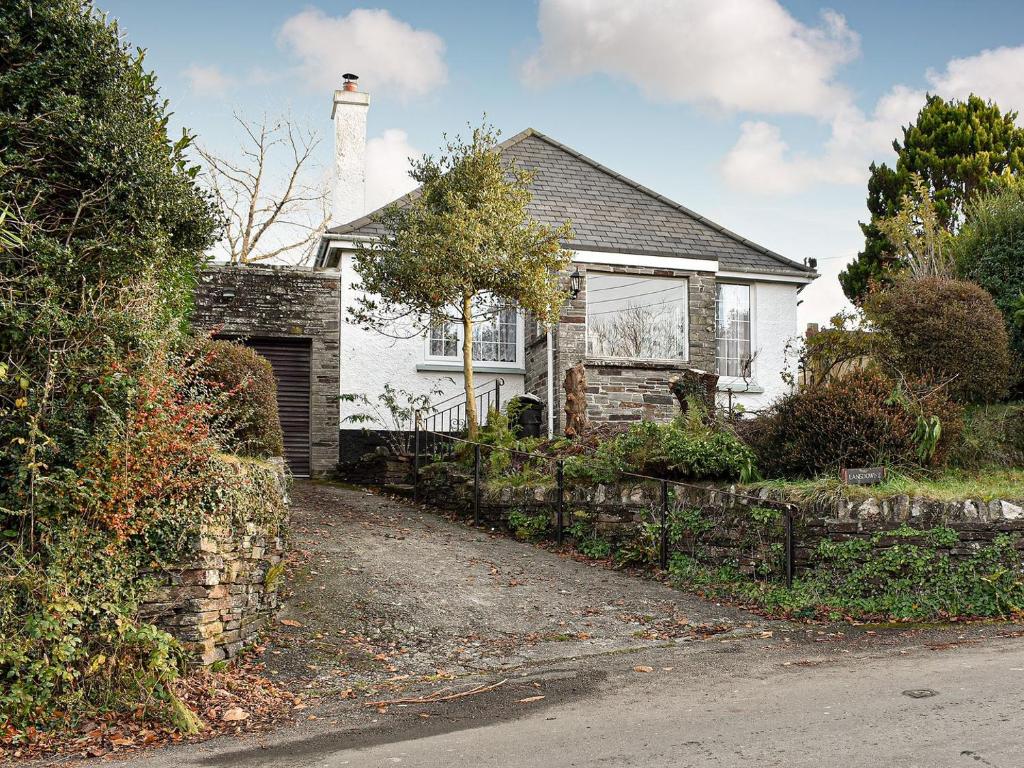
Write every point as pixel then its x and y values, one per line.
pixel 957 148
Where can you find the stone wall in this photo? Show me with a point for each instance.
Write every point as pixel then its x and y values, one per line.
pixel 225 589
pixel 284 302
pixel 736 535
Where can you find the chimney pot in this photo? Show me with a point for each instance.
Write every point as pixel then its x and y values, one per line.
pixel 350 81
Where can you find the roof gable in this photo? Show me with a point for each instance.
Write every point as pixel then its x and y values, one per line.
pixel 610 212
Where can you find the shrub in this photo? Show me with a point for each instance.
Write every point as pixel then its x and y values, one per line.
pixel 993 437
pixel 859 419
pixel 243 384
pixel 684 448
pixel 948 330
pixel 990 251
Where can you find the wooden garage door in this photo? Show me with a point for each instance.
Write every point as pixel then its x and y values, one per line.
pixel 290 360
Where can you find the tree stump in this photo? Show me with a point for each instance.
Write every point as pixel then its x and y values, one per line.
pixel 693 384
pixel 575 386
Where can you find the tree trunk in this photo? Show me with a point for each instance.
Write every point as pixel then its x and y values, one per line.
pixel 472 420
pixel 575 386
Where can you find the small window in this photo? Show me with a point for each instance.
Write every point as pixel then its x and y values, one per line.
pixel 732 337
pixel 495 339
pixel 637 317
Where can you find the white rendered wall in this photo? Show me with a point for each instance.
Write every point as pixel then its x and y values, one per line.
pixel 775 325
pixel 369 360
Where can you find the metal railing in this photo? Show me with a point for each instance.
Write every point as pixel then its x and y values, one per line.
pixel 449 417
pixel 424 438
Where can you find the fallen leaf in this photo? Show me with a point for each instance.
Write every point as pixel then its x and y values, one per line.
pixel 234 715
pixel 643 669
pixel 291 623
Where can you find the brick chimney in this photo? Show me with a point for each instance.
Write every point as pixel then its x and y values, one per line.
pixel 348 200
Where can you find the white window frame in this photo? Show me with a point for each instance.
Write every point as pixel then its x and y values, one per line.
pixel 586 318
pixel 457 359
pixel 737 383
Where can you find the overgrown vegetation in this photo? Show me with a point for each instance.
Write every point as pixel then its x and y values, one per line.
pixel 862 418
pixel 901 574
pixel 110 439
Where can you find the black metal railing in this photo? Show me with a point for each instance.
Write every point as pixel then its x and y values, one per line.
pixel 449 417
pixel 432 446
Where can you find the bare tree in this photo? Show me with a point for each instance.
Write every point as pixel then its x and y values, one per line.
pixel 273 204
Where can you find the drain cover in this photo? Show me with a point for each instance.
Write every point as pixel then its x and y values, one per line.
pixel 920 693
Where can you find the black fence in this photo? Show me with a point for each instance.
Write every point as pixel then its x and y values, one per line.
pixel 430 445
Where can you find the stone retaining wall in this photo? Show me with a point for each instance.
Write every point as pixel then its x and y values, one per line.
pixel 220 595
pixel 737 534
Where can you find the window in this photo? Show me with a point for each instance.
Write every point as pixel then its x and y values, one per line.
pixel 495 339
pixel 637 317
pixel 732 337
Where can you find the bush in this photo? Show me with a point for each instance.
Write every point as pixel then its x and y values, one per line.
pixel 860 419
pixel 948 330
pixel 686 448
pixel 993 438
pixel 242 382
pixel 990 251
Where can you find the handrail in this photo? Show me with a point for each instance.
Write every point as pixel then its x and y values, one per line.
pixel 453 415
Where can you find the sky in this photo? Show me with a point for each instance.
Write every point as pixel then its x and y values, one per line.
pixel 758 114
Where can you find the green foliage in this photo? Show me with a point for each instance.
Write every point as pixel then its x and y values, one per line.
pixel 852 421
pixel 243 384
pixel 946 330
pixel 393 411
pixel 901 574
pixel 956 148
pixel 993 437
pixel 529 526
pixel 684 448
pixel 990 251
pixel 586 539
pixel 461 249
pixel 108 460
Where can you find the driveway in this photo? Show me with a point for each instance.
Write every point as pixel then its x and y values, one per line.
pixel 418 641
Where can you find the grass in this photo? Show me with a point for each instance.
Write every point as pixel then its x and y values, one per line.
pixel 984 485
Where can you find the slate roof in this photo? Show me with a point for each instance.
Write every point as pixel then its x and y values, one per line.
pixel 610 212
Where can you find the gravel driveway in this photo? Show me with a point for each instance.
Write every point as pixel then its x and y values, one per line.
pixel 389 593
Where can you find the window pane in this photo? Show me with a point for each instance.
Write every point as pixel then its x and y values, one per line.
pixel 637 317
pixel 733 330
pixel 444 340
pixel 494 339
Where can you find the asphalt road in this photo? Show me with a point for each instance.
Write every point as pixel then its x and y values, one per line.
pixel 723 704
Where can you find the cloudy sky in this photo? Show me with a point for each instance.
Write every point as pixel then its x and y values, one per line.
pixel 759 114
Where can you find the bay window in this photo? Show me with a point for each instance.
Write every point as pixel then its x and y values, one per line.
pixel 732 336
pixel 637 317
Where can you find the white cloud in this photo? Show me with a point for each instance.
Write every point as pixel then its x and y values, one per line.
pixel 741 55
pixel 387 53
pixel 387 168
pixel 993 74
pixel 761 161
pixel 209 80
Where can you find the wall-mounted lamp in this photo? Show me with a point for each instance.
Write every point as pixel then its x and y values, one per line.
pixel 575 283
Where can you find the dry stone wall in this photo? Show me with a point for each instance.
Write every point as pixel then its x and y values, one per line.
pixel 226 587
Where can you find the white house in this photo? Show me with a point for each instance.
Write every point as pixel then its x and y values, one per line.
pixel 662 289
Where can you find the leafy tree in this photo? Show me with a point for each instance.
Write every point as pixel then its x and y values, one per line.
pixel 461 249
pixel 106 230
pixel 919 241
pixel 956 147
pixel 990 251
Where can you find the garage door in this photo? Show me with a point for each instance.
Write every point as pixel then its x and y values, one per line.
pixel 290 360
